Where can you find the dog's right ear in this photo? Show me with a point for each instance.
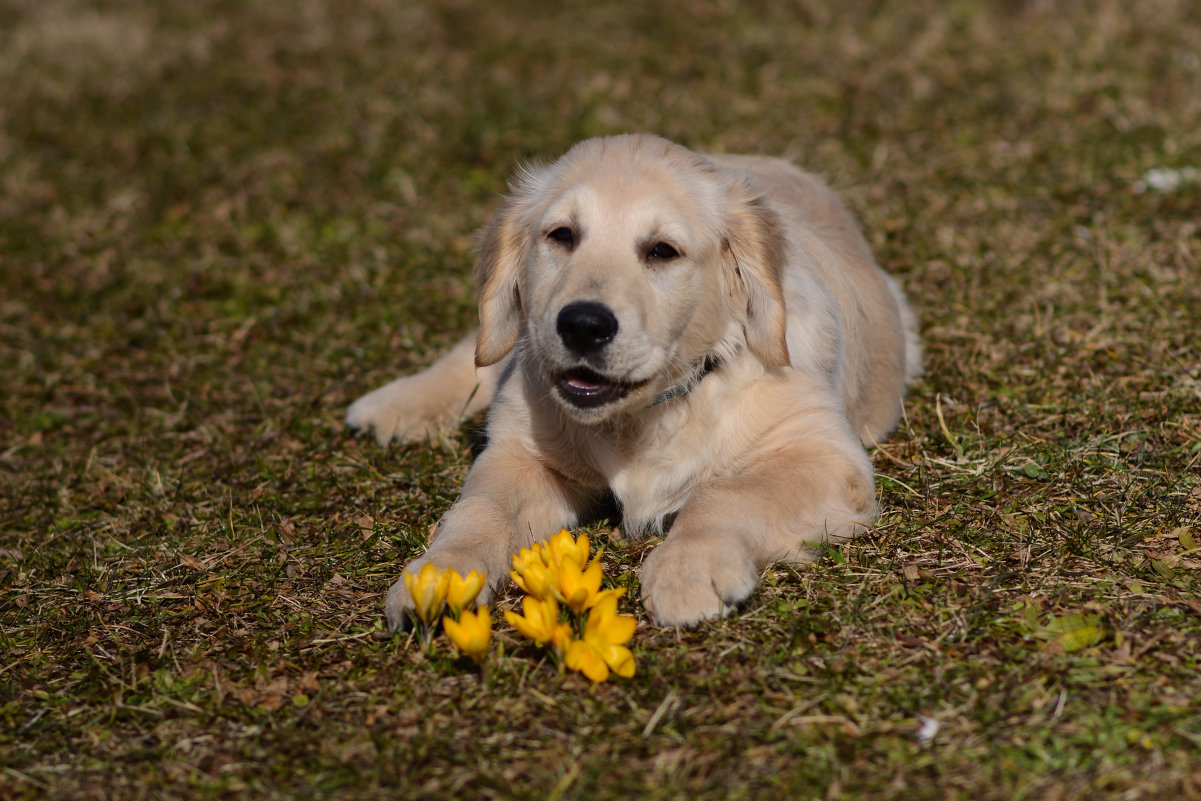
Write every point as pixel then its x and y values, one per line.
pixel 757 245
pixel 503 249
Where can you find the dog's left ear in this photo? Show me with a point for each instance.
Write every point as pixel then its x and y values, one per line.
pixel 756 244
pixel 503 249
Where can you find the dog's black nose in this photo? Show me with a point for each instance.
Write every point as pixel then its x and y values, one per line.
pixel 586 327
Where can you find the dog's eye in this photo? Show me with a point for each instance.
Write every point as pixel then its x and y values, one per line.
pixel 563 235
pixel 662 251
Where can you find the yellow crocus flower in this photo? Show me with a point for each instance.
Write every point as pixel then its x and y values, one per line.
pixel 583 657
pixel 605 626
pixel 523 559
pixel 602 649
pixel 532 574
pixel 598 664
pixel 558 571
pixel 471 633
pixel 539 621
pixel 563 546
pixel 428 591
pixel 461 591
pixel 578 587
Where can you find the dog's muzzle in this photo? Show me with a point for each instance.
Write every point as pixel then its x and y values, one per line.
pixel 586 328
pixel 587 389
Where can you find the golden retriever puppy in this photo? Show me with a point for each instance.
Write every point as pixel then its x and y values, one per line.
pixel 705 338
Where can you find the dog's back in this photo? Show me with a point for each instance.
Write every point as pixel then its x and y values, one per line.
pixel 878 335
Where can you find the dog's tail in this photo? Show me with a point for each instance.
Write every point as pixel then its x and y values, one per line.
pixel 913 343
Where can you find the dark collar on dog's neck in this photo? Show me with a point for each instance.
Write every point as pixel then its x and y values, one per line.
pixel 710 364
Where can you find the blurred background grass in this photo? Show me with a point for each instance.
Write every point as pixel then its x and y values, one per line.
pixel 220 222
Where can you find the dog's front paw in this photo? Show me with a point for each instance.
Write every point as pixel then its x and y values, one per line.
pixel 406 410
pixel 399 607
pixel 687 580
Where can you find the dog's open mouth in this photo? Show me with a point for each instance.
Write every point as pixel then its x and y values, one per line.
pixel 586 388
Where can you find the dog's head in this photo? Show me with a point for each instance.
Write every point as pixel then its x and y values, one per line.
pixel 624 266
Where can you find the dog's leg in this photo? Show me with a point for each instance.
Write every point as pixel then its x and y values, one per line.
pixel 510 499
pixel 732 528
pixel 420 406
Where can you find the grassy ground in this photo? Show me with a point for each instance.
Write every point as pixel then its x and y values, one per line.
pixel 221 222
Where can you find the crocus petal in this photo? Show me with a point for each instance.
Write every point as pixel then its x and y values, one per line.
pixel 609 629
pixel 540 554
pixel 605 603
pixel 524 626
pixel 605 595
pixel 577 587
pixel 605 627
pixel 534 578
pixel 462 591
pixel 471 633
pixel 454 631
pixel 539 621
pixel 583 657
pixel 523 558
pixel 562 546
pixel 518 580
pixel 428 591
pixel 583 547
pixel 545 612
pixel 620 659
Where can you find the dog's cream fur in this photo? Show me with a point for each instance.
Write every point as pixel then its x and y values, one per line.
pixel 766 276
